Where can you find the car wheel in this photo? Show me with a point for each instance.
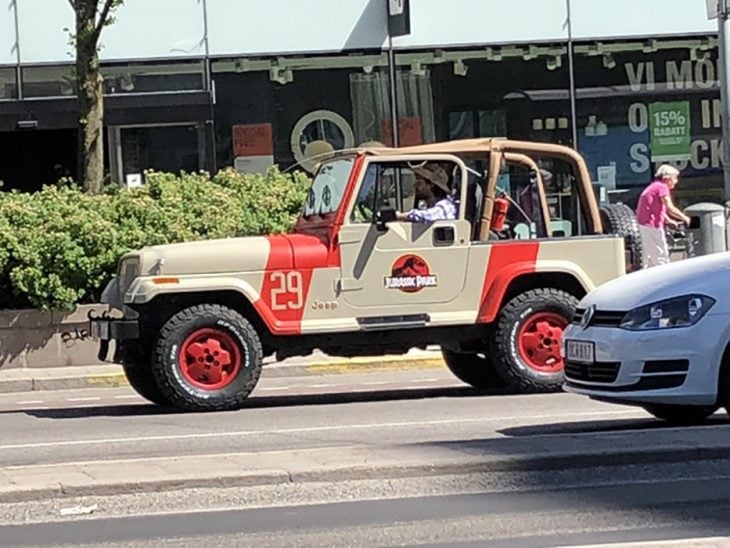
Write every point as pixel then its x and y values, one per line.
pixel 681 414
pixel 528 338
pixel 207 358
pixel 136 365
pixel 474 369
pixel 619 219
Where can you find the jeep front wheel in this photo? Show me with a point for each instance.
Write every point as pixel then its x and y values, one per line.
pixel 528 338
pixel 207 358
pixel 474 369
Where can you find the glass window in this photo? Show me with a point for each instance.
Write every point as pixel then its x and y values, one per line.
pixel 153 78
pixel 53 81
pixel 8 84
pixel 328 188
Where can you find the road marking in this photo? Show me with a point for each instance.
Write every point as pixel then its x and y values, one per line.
pixel 378 383
pixel 362 426
pixel 29 402
pixel 84 399
pixel 272 389
pixel 130 397
pixel 428 380
pixel 318 385
pixel 699 542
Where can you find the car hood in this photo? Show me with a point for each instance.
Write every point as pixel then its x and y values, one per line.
pixel 708 275
pixel 232 255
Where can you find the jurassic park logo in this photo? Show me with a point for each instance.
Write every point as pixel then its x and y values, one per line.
pixel 410 274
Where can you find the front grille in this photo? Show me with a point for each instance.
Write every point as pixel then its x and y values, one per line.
pixel 600 372
pixel 666 366
pixel 658 382
pixel 601 318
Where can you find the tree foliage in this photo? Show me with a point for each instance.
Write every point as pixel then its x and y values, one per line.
pixel 60 246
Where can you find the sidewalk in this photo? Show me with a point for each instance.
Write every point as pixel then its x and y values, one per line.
pixel 110 376
pixel 331 464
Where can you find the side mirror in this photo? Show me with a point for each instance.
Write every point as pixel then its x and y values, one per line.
pixel 383 217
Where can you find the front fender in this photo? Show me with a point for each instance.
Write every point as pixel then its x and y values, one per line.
pixel 143 290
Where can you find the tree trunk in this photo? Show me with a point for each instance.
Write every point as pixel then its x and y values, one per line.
pixel 90 105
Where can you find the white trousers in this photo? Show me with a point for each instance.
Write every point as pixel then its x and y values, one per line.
pixel 655 246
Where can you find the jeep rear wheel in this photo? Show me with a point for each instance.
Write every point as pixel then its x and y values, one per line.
pixel 528 338
pixel 207 358
pixel 474 369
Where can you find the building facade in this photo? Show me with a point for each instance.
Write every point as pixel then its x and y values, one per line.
pixel 208 84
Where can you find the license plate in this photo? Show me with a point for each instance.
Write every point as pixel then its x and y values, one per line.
pixel 580 351
pixel 100 330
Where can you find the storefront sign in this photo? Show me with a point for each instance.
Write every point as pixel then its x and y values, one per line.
pixel 670 131
pixel 399 17
pixel 253 147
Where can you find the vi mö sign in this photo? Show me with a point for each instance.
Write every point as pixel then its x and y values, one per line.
pixel 399 17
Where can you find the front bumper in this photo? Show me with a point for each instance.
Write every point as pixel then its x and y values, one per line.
pixel 672 366
pixel 105 328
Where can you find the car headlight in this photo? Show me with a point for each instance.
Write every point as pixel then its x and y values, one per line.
pixel 676 312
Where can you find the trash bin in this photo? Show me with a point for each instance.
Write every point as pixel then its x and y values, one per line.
pixel 707 232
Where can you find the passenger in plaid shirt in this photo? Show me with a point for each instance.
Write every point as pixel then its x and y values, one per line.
pixel 432 184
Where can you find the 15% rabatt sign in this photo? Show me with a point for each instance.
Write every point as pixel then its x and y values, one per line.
pixel 671 137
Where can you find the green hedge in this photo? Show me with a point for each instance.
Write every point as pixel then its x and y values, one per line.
pixel 59 247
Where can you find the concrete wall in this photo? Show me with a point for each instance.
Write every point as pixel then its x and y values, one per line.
pixel 32 338
pixel 176 28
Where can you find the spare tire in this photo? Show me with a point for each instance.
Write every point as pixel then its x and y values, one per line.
pixel 619 219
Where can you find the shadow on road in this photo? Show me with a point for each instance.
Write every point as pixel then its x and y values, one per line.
pixel 603 426
pixel 259 402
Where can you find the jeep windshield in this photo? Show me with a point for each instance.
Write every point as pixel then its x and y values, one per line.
pixel 328 188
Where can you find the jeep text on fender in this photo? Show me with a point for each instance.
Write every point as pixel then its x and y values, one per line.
pixel 494 287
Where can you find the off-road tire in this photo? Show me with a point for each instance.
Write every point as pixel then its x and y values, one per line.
pixel 167 370
pixel 681 415
pixel 474 369
pixel 619 219
pixel 136 365
pixel 508 361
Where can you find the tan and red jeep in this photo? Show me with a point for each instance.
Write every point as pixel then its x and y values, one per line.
pixel 494 287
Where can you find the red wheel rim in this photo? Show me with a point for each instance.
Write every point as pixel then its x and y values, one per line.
pixel 210 359
pixel 539 341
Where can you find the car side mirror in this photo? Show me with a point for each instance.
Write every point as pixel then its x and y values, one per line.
pixel 383 217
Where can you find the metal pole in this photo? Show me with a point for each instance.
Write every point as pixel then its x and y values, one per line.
pixel 18 71
pixel 573 108
pixel 724 58
pixel 393 92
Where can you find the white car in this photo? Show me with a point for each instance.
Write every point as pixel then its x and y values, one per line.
pixel 658 338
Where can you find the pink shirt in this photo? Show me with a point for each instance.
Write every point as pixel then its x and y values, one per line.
pixel 651 210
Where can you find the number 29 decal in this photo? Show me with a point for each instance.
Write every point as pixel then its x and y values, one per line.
pixel 286 290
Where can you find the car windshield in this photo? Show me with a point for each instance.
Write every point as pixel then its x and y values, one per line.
pixel 328 188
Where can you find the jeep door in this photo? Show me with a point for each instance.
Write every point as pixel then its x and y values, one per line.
pixel 401 265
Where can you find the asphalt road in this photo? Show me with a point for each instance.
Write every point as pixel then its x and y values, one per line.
pixel 666 502
pixel 317 412
pixel 606 502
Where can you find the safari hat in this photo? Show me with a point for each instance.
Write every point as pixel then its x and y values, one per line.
pixel 434 174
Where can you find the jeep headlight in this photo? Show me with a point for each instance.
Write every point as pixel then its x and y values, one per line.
pixel 128 271
pixel 676 312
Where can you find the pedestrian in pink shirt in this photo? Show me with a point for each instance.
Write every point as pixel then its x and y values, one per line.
pixel 654 211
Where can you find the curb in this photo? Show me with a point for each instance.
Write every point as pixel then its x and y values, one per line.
pixel 35 380
pixel 473 465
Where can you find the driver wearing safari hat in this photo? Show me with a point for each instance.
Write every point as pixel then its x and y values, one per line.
pixel 432 186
